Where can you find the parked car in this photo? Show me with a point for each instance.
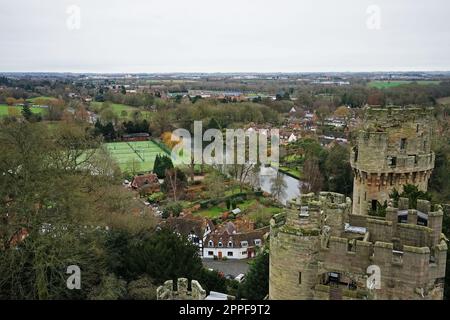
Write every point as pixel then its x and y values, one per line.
pixel 240 278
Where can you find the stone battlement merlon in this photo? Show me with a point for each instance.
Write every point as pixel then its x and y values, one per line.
pixel 167 291
pixel 392 116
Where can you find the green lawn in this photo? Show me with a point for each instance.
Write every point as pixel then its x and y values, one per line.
pixel 217 211
pixel 391 84
pixel 251 208
pixel 4 110
pixel 292 157
pixel 294 172
pixel 32 100
pixel 119 108
pixel 213 212
pixel 445 100
pixel 140 155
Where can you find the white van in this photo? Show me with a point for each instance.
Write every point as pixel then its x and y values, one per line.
pixel 240 278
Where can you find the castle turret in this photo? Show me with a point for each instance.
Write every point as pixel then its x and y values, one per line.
pixel 392 150
pixel 320 251
pixel 296 240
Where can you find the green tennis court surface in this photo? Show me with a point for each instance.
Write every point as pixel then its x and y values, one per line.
pixel 134 156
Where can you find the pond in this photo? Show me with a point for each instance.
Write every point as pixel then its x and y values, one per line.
pixel 265 181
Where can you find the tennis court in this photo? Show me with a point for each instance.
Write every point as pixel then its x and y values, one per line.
pixel 134 156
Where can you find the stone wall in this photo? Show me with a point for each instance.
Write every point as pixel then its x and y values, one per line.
pixel 305 252
pixel 181 292
pixel 393 149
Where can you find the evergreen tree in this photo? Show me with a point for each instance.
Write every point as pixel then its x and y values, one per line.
pixel 26 112
pixel 256 283
pixel 161 164
pixel 164 256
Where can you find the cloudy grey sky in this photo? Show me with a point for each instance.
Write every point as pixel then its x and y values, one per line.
pixel 224 35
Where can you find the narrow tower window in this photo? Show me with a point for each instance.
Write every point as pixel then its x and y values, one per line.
pixel 374 205
pixel 403 144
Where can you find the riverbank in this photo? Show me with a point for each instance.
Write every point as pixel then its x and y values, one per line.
pixel 296 174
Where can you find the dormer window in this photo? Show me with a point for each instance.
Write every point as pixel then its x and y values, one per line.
pixel 257 242
pixel 230 244
pixel 244 243
pixel 211 243
pixel 220 244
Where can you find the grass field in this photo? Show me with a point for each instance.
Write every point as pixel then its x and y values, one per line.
pixel 445 100
pixel 391 84
pixel 134 156
pixel 252 207
pixel 18 110
pixel 32 100
pixel 118 108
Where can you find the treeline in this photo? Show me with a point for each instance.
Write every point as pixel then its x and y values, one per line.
pixel 112 132
pixel 226 115
pixel 135 99
pixel 359 95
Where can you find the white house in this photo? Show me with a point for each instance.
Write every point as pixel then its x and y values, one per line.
pixel 232 244
pixel 195 228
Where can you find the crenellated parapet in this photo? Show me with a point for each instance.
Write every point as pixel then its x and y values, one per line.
pixel 393 149
pixel 320 250
pixel 181 292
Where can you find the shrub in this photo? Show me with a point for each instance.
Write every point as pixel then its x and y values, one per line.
pixel 142 289
pixel 156 197
pixel 238 200
pixel 172 208
pixel 204 204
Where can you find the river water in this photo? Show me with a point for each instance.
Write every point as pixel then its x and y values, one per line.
pixel 265 181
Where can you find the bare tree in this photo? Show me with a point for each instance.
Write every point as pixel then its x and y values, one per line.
pixel 312 177
pixel 175 182
pixel 240 172
pixel 278 186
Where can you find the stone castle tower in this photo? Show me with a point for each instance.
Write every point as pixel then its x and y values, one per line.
pixel 393 149
pixel 327 247
pixel 320 251
pixel 295 242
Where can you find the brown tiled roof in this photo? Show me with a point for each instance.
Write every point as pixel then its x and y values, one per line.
pixel 236 238
pixel 189 224
pixel 140 181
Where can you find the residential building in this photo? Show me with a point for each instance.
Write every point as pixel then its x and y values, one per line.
pixel 228 242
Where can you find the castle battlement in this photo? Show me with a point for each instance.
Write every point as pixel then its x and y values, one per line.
pixel 393 149
pixel 181 292
pixel 326 246
pixel 321 245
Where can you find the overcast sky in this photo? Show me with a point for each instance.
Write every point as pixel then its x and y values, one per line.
pixel 224 35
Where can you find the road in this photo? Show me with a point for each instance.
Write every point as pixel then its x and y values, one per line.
pixel 232 267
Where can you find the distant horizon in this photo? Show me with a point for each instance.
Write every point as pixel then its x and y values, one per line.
pixel 224 72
